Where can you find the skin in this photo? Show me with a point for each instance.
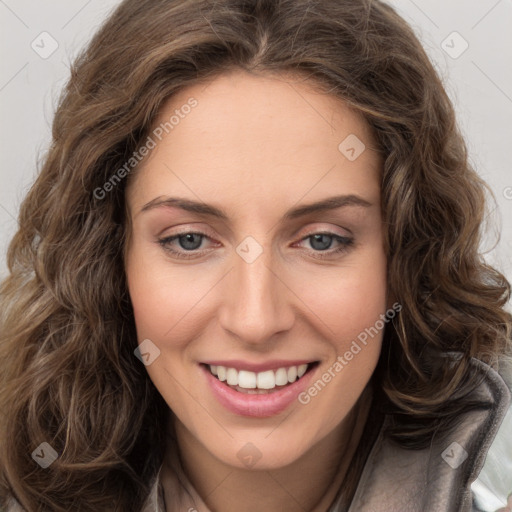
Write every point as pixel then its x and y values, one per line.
pixel 257 146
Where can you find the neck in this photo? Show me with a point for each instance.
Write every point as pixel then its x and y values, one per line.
pixel 308 484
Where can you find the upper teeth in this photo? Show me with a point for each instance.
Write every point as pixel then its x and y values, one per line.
pixel 263 380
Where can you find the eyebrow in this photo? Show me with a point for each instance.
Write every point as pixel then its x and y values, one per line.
pixel 189 205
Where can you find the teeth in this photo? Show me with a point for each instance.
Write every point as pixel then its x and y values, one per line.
pixel 266 380
pixel 281 377
pixel 292 374
pixel 221 373
pixel 263 380
pixel 231 376
pixel 246 379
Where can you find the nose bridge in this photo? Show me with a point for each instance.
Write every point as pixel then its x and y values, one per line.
pixel 255 303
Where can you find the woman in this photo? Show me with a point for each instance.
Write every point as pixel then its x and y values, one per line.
pixel 247 276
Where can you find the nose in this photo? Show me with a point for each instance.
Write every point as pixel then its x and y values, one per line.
pixel 257 303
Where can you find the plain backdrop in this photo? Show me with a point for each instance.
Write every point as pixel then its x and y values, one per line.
pixel 469 41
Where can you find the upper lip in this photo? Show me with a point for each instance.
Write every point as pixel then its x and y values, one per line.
pixel 238 364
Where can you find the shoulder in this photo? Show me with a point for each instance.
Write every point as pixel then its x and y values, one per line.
pixel 438 477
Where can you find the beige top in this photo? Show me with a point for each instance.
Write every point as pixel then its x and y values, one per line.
pixel 185 496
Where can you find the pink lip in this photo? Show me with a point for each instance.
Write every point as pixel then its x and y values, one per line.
pixel 256 406
pixel 257 367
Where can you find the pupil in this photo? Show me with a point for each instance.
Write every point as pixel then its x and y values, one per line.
pixel 326 239
pixel 187 241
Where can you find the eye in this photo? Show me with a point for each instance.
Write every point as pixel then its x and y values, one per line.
pixel 186 245
pixel 189 242
pixel 321 243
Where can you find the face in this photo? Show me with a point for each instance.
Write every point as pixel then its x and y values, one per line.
pixel 232 269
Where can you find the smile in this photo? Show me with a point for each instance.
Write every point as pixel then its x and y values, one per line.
pixel 257 393
pixel 245 381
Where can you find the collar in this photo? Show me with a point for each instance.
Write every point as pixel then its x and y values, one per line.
pixel 395 478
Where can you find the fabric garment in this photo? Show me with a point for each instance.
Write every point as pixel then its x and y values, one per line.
pixel 392 479
pixel 396 479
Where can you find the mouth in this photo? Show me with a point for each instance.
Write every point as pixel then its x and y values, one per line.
pixel 260 383
pixel 258 394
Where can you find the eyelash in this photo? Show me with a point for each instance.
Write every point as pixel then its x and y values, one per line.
pixel 345 242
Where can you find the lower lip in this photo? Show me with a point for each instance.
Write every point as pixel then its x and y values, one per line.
pixel 257 406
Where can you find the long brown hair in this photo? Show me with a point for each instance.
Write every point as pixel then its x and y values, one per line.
pixel 69 376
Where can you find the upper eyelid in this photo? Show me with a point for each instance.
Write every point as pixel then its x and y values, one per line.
pixel 309 231
pixel 207 232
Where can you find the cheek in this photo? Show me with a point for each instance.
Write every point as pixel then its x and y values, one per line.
pixel 347 299
pixel 356 303
pixel 351 309
pixel 166 304
pixel 165 298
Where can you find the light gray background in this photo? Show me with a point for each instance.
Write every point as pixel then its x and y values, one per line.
pixel 479 82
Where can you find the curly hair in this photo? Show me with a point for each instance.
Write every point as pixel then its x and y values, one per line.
pixel 67 333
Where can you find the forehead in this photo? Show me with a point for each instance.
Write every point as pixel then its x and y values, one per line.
pixel 252 133
pixel 238 102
